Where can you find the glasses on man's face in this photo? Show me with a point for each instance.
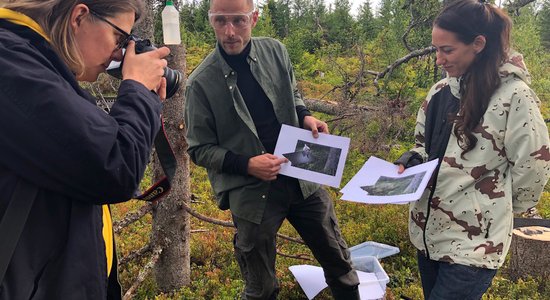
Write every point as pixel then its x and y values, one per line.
pixel 238 20
pixel 124 36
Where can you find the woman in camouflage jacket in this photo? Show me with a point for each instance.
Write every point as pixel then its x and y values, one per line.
pixel 484 125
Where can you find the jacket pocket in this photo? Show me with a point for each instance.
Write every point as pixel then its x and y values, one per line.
pixel 477 220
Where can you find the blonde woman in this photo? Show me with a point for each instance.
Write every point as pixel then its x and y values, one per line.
pixel 61 155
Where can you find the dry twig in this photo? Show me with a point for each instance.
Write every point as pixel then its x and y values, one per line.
pixel 143 273
pixel 135 254
pixel 132 217
pixel 297 256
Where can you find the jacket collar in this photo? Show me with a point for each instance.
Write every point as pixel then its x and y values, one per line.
pixel 226 69
pixel 21 19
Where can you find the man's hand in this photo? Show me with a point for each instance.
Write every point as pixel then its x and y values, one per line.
pixel 265 166
pixel 315 126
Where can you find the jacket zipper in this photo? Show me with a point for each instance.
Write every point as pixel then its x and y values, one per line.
pixel 429 209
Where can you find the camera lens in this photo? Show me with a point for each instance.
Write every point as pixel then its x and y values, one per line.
pixel 173 79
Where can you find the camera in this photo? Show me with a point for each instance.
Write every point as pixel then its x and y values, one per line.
pixel 173 77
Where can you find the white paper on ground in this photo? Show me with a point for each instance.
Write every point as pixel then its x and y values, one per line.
pixel 312 281
pixel 329 171
pixel 310 278
pixel 375 169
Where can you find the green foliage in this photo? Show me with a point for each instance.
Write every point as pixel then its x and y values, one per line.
pixel 544 24
pixel 366 25
pixel 526 40
pixel 530 289
pixel 544 204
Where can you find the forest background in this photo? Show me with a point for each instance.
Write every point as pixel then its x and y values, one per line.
pixel 366 74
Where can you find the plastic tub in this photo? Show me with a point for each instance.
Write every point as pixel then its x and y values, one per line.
pixel 375 249
pixel 370 264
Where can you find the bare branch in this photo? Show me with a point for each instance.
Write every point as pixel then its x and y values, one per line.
pixel 199 216
pixel 341 117
pixel 135 254
pixel 143 273
pixel 416 10
pixel 411 25
pixel 515 6
pixel 292 239
pixel 374 73
pixel 332 107
pixel 132 217
pixel 297 256
pixel 402 60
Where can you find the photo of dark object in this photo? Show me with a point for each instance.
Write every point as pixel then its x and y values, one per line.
pixel 315 157
pixel 391 186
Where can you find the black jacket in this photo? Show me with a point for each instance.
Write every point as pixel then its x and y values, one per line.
pixel 438 128
pixel 53 136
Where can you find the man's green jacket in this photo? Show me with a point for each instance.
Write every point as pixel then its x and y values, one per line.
pixel 218 121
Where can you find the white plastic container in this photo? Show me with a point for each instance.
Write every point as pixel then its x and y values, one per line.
pixel 370 264
pixel 375 249
pixel 171 24
pixel 365 258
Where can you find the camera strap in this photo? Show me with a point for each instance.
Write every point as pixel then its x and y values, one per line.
pixel 168 163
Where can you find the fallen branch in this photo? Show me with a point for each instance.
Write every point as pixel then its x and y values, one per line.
pixel 297 256
pixel 135 254
pixel 143 273
pixel 332 107
pixel 199 216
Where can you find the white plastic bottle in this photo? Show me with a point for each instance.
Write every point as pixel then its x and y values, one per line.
pixel 171 24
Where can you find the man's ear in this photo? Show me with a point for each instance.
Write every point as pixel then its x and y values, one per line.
pixel 479 43
pixel 77 15
pixel 255 17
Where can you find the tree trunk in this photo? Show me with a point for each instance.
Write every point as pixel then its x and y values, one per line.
pixel 146 25
pixel 530 252
pixel 171 224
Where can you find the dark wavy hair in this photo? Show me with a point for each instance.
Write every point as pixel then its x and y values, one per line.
pixel 468 19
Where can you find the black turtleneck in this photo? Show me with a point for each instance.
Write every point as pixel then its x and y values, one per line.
pixel 260 109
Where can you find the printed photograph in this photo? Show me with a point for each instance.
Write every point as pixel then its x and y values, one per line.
pixel 391 186
pixel 314 157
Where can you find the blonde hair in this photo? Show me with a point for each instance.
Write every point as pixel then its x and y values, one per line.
pixel 54 18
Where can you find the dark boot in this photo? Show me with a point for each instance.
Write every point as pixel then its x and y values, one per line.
pixel 345 294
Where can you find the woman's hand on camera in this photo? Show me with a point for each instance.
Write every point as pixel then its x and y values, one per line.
pixel 146 68
pixel 161 89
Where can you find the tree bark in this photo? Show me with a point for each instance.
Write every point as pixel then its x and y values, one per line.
pixel 171 224
pixel 146 24
pixel 530 252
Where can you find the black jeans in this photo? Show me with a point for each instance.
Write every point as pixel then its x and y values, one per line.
pixel 315 221
pixel 446 281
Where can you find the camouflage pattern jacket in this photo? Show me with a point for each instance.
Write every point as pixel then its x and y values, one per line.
pixel 469 218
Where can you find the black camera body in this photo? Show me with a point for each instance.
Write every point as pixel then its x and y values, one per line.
pixel 173 77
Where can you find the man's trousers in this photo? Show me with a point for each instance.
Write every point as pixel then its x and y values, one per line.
pixel 315 221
